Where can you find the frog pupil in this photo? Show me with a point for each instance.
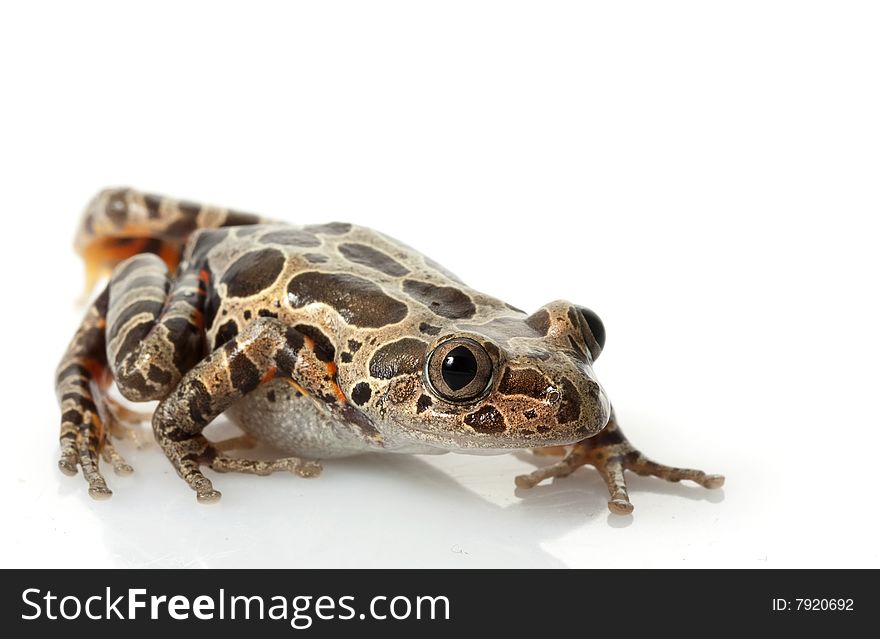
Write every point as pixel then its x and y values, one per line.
pixel 459 368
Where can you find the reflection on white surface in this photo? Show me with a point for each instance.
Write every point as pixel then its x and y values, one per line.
pixel 373 510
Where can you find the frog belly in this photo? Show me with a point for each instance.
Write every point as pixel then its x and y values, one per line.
pixel 277 415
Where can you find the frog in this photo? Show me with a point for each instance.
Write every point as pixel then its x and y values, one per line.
pixel 321 341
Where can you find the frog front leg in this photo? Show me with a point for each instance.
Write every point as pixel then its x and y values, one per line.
pixel 264 350
pixel 610 452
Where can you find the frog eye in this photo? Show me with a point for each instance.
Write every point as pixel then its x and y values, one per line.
pixel 459 370
pixel 596 329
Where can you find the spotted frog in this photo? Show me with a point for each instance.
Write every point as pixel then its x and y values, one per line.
pixel 322 341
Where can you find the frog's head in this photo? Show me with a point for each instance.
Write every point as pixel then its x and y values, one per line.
pixel 514 382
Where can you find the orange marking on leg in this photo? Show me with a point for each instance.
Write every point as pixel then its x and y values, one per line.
pixel 170 254
pixel 93 366
pixel 331 370
pixel 198 318
pixel 110 251
pixel 270 374
pixel 204 277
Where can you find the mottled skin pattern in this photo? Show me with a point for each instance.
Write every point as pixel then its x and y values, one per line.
pixel 323 341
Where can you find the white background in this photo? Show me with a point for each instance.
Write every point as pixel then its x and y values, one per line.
pixel 703 175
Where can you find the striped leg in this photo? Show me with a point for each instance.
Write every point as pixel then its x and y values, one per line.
pixel 263 350
pixel 122 222
pixel 611 453
pixel 80 381
pixel 154 327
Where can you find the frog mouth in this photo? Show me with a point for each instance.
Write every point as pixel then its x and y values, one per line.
pixel 487 443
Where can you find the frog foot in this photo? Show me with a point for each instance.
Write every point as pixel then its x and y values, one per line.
pixel 610 452
pixel 85 438
pixel 190 454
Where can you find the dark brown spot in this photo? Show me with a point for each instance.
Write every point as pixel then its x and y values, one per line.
pixel 523 381
pixel 247 315
pixel 285 358
pixel 158 375
pixel 540 321
pixel 315 258
pixel 354 346
pixel 225 333
pixel 84 403
pixel 253 272
pixel 530 414
pixel 265 312
pixel 368 256
pixel 189 209
pixel 353 416
pixel 181 228
pixel 72 417
pixel 361 393
pixel 357 300
pixel 270 396
pixel 237 218
pixel 205 241
pixel 442 300
pixel 188 341
pixel 243 373
pixel 427 329
pixel 543 429
pixel 291 237
pixel 423 404
pixel 324 349
pixel 486 420
pixel 199 401
pixel 71 371
pixel 153 204
pixel 570 406
pixel 331 228
pixel 346 357
pixel 398 358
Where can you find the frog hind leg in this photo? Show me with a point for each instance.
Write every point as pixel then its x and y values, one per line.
pixel 264 350
pixel 155 329
pixel 80 381
pixel 122 222
pixel 611 453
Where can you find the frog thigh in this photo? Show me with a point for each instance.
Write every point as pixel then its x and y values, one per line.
pixel 122 222
pixel 155 329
